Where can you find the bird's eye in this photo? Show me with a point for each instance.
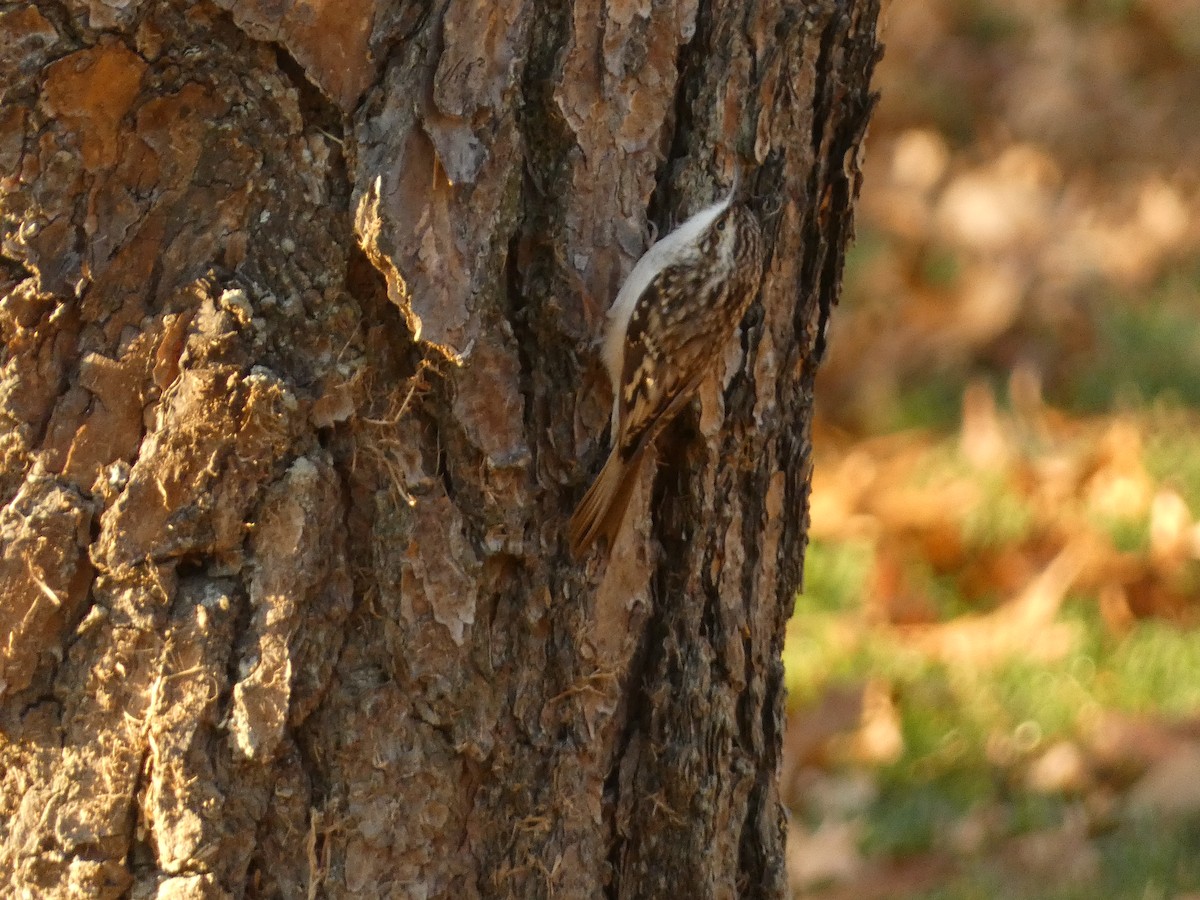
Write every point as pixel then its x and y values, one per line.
pixel 721 225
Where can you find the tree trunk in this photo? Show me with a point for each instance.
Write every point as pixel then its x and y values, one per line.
pixel 300 309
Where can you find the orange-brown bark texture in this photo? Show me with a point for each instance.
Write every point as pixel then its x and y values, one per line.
pixel 300 306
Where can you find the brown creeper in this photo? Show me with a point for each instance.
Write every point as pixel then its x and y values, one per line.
pixel 666 330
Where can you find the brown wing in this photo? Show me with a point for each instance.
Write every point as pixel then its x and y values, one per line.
pixel 657 378
pixel 654 391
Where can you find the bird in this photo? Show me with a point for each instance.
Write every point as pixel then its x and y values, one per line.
pixel 665 331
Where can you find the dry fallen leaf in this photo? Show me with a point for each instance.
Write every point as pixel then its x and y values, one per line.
pixel 1060 769
pixel 810 729
pixel 830 853
pixel 1023 626
pixel 1122 748
pixel 1171 787
pixel 1059 856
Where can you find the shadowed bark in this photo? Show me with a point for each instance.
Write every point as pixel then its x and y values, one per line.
pixel 300 306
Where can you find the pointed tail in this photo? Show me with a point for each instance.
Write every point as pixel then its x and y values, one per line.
pixel 602 509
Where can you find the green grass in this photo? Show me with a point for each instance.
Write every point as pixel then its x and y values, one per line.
pixel 834 574
pixel 933 403
pixel 1137 352
pixel 941 267
pixel 950 715
pixel 1171 456
pixel 1002 517
pixel 1144 859
pixel 1138 861
pixel 1154 669
pixel 1143 353
pixel 969 732
pixel 867 249
pixel 1129 534
pixel 1151 669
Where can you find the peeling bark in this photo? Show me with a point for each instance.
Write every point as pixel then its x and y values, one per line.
pixel 300 305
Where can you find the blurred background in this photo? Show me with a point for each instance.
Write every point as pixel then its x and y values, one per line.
pixel 994 668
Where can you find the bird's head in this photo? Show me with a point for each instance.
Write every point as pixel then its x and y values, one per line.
pixel 734 238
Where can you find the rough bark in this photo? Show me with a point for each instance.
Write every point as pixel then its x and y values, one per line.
pixel 300 383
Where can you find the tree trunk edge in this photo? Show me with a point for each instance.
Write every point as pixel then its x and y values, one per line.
pixel 241 663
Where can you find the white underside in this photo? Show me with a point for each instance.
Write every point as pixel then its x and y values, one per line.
pixel 680 245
